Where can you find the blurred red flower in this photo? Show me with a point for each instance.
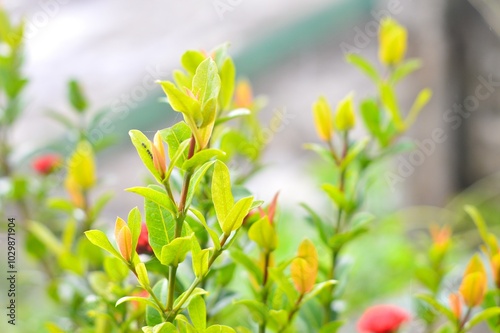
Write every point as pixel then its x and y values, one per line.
pixel 143 246
pixel 46 164
pixel 382 319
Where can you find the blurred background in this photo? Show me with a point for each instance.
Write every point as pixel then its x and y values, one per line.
pixel 291 51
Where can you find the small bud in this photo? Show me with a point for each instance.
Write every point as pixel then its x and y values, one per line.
pixel 475 266
pixel 392 42
pixel 243 94
pixel 440 236
pixel 47 164
pixel 143 246
pixel 345 118
pixel 473 289
pixel 456 305
pixel 159 159
pixel 323 119
pixel 123 238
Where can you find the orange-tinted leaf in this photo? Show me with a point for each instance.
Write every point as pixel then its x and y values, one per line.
pixel 473 289
pixel 304 268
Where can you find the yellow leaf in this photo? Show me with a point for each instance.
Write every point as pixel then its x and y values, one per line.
pixel 74 191
pixel 119 224
pixel 323 119
pixel 304 268
pixel 345 118
pixel 475 266
pixel 392 42
pixel 473 289
pixel 81 166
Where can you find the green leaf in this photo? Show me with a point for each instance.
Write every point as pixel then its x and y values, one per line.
pixel 337 241
pixel 206 81
pixel 76 96
pixel 174 136
pixel 248 263
pixel 196 292
pixel 236 113
pixel 200 263
pixel 234 218
pixel 482 316
pixel 221 191
pixel 143 147
pixel 257 309
pixel 227 77
pixel 371 116
pixel 115 268
pixel 134 222
pixel 161 328
pixel 154 193
pixel 195 181
pixel 142 275
pixel 213 235
pixel 143 300
pixel 220 329
pixel 332 327
pixel 336 195
pixel 278 319
pixel 320 150
pixel 98 238
pixel 61 204
pixel 181 80
pixel 153 316
pixel 388 97
pixel 161 225
pixel 201 158
pixel 316 220
pixel 179 155
pixel 198 313
pixel 264 234
pixel 405 69
pixel 191 59
pixel 437 306
pixel 354 152
pixel 422 99
pixel 318 288
pixel 283 282
pixel 181 102
pixel 175 252
pixel 362 64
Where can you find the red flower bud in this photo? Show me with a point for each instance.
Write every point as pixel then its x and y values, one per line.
pixel 382 319
pixel 143 246
pixel 46 164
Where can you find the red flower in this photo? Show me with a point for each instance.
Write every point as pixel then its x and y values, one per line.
pixel 143 246
pixel 46 164
pixel 382 319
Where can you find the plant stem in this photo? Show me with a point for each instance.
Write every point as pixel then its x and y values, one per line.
pixel 267 257
pixel 171 286
pixel 292 313
pixel 197 281
pixel 172 270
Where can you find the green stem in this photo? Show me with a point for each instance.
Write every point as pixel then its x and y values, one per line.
pixel 267 257
pixel 172 270
pixel 171 286
pixel 173 313
pixel 292 313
